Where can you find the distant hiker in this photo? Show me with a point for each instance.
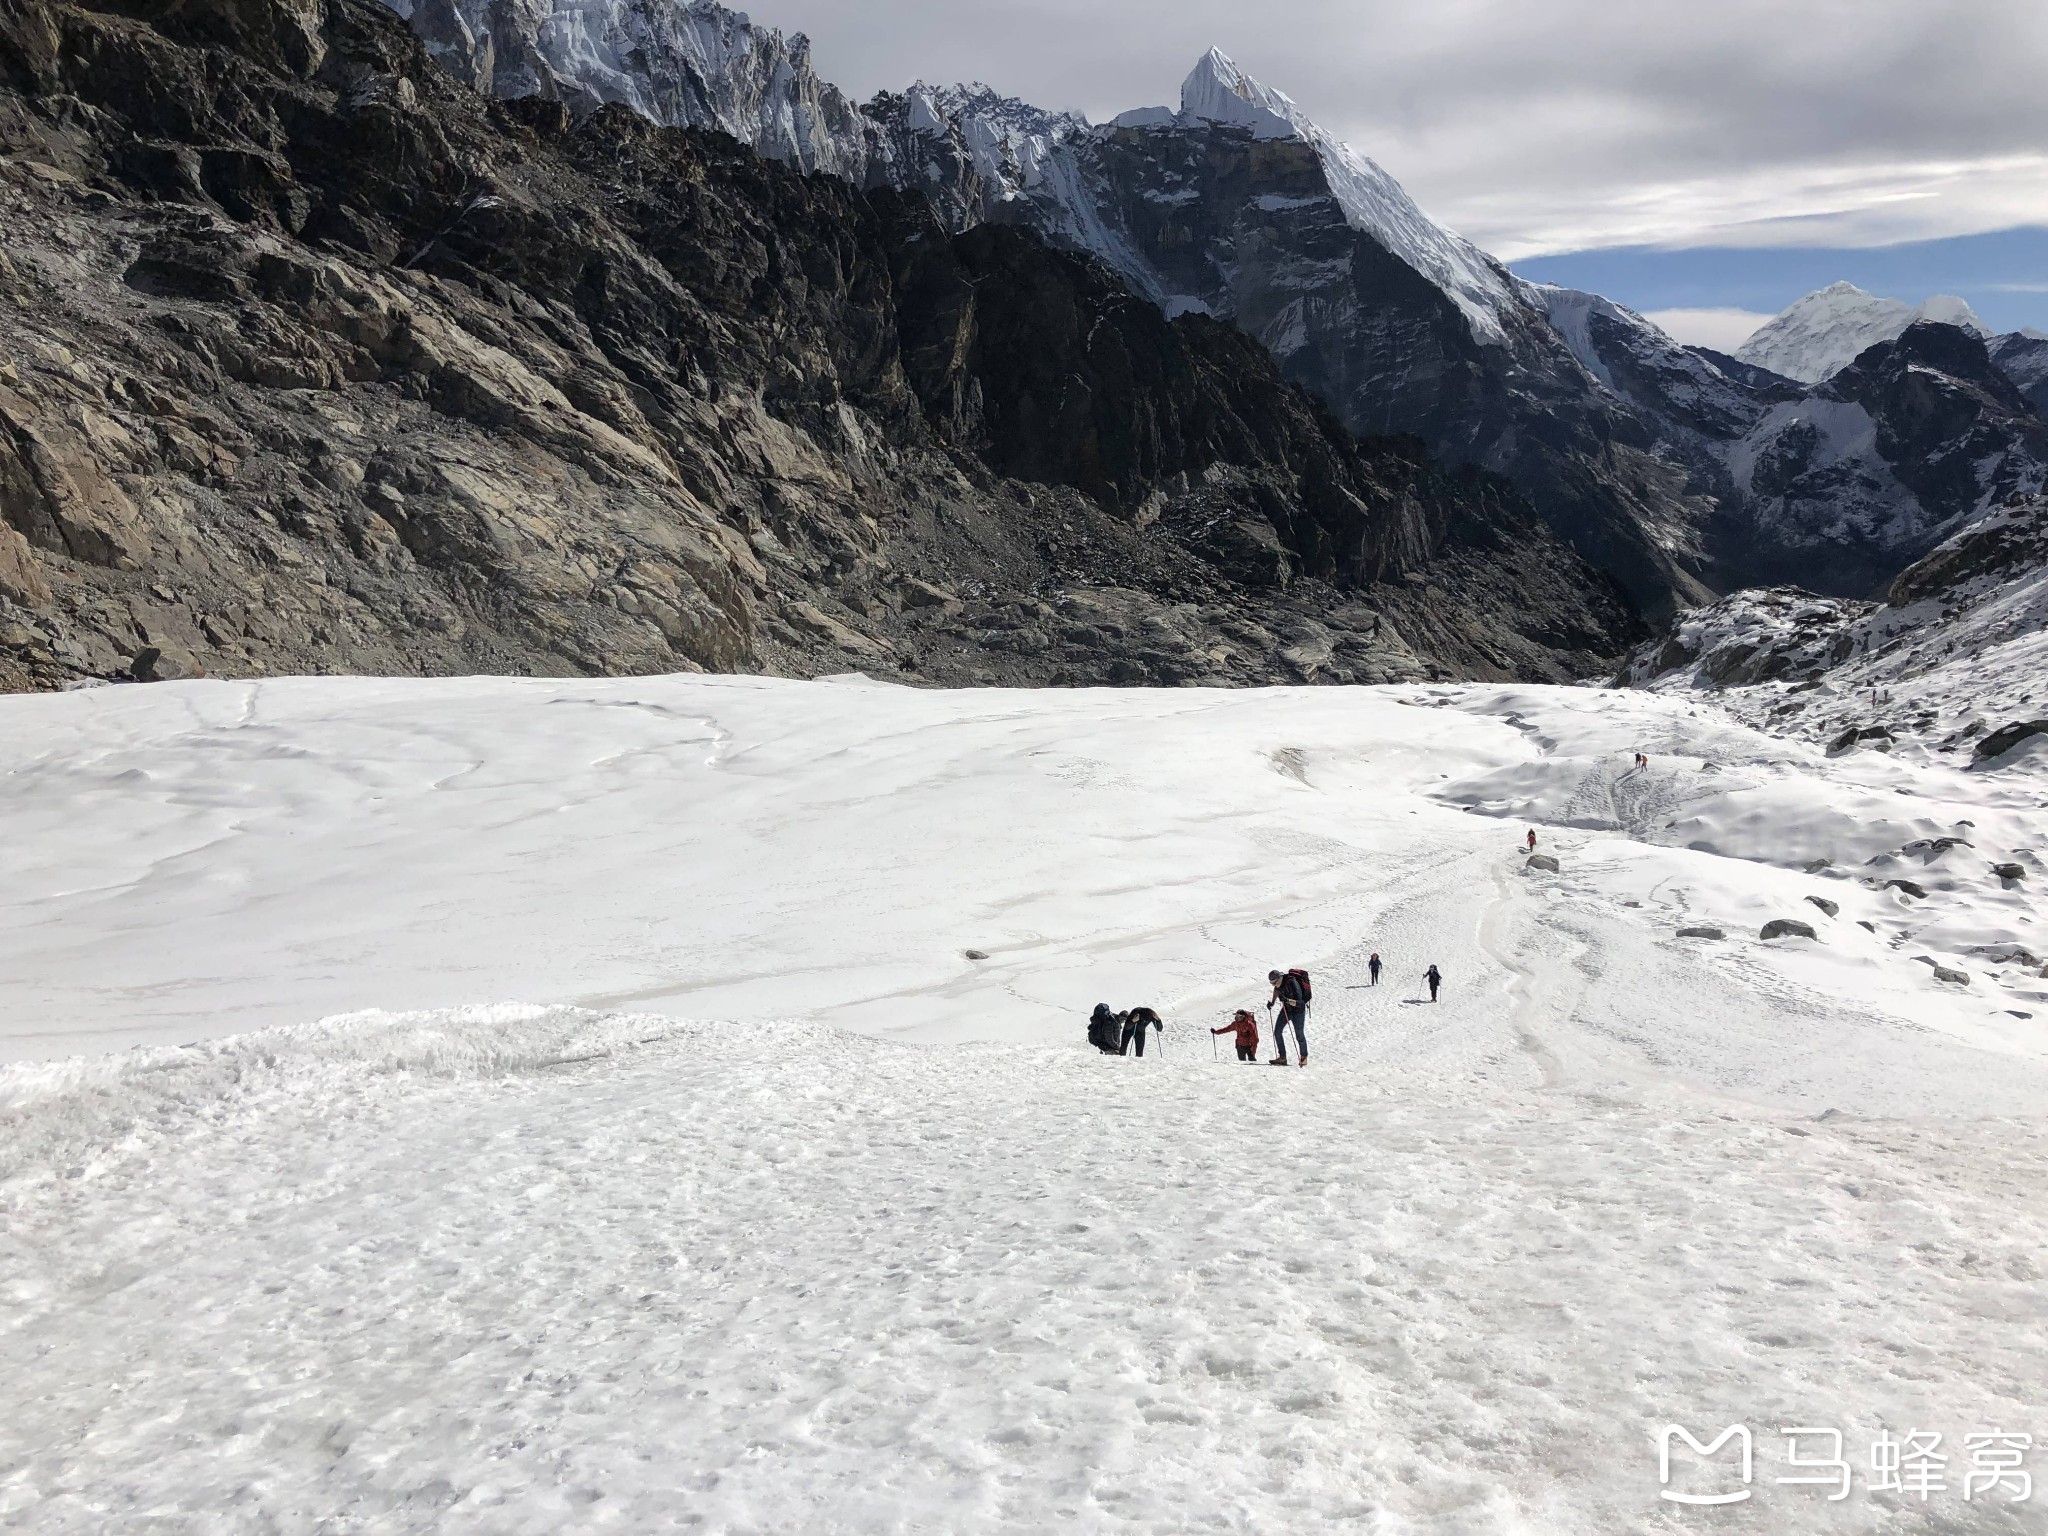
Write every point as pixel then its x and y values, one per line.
pixel 1292 992
pixel 1532 839
pixel 1245 1026
pixel 1135 1024
pixel 1106 1030
pixel 1373 965
pixel 1435 979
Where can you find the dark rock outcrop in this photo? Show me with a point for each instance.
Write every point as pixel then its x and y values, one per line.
pixel 323 362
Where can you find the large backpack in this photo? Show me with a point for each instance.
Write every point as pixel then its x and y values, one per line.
pixel 1300 979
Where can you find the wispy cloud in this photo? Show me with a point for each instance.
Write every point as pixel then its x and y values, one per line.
pixel 1566 125
pixel 1722 329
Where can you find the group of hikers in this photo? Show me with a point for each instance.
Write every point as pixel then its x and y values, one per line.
pixel 1123 1034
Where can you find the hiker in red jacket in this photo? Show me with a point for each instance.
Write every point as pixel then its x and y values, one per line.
pixel 1246 1028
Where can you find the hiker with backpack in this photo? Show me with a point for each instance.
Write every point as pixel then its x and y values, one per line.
pixel 1373 965
pixel 1292 992
pixel 1245 1026
pixel 1435 979
pixel 1135 1024
pixel 1106 1030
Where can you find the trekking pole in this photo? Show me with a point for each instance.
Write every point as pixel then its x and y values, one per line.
pixel 1215 1051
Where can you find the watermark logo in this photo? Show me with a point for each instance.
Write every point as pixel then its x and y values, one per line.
pixel 1913 1467
pixel 1739 1433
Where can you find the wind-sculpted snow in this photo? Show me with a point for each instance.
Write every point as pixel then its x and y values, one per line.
pixel 775 1210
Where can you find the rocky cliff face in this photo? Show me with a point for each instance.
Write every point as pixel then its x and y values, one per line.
pixel 322 361
pixel 1236 205
pixel 1835 485
pixel 1682 472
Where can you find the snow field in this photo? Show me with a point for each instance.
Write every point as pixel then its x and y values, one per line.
pixel 800 1280
pixel 889 1249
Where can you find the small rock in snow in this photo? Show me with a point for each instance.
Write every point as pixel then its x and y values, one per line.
pixel 1832 909
pixel 975 954
pixel 1542 861
pixel 1702 931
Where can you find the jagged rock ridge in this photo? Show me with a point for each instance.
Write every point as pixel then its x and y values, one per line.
pixel 326 362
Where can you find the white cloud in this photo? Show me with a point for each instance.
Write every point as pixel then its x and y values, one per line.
pixel 1722 329
pixel 1566 125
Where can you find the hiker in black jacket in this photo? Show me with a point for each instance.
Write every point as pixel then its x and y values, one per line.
pixel 1435 979
pixel 1135 1024
pixel 1106 1030
pixel 1291 992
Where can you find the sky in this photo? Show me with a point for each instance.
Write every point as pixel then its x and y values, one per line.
pixel 1682 132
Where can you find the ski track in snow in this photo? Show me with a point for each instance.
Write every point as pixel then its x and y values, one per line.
pixel 889 1250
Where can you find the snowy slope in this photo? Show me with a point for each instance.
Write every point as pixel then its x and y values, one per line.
pixel 1828 329
pixel 508 1269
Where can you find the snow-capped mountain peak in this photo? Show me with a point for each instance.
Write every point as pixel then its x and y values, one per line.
pixel 1217 91
pixel 1829 329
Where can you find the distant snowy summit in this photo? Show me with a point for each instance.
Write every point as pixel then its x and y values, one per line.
pixel 1828 330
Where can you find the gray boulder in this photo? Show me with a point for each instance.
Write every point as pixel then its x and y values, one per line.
pixel 1702 931
pixel 1542 861
pixel 1787 927
pixel 1833 909
pixel 2006 737
pixel 2009 871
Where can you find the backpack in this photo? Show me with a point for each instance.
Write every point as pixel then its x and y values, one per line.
pixel 1300 979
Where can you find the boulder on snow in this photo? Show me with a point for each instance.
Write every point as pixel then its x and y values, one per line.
pixel 1702 931
pixel 2006 737
pixel 1875 736
pixel 2010 871
pixel 1541 861
pixel 1787 927
pixel 1908 887
pixel 1833 909
pixel 975 954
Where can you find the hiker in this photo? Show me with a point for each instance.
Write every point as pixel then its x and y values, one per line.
pixel 1435 979
pixel 1135 1024
pixel 1106 1030
pixel 1532 839
pixel 1291 991
pixel 1373 965
pixel 1245 1026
